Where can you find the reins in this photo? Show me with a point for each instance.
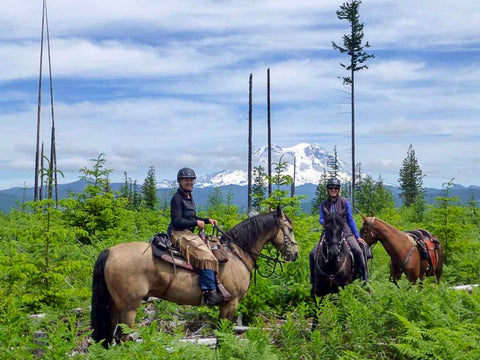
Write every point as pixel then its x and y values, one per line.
pixel 252 254
pixel 331 277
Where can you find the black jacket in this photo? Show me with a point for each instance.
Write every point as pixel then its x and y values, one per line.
pixel 183 212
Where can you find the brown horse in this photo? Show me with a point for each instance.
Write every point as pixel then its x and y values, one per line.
pixel 127 273
pixel 403 250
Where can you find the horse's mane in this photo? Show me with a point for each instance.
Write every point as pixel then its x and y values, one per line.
pixel 389 225
pixel 334 219
pixel 248 231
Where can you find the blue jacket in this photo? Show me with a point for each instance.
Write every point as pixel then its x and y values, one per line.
pixel 338 206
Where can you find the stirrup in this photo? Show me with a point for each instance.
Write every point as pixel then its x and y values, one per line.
pixel 212 297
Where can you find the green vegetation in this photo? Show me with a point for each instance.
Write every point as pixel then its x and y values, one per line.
pixel 47 255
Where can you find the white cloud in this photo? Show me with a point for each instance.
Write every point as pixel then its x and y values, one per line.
pixel 166 84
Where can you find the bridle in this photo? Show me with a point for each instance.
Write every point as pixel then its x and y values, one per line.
pixel 326 258
pixel 288 241
pixel 407 258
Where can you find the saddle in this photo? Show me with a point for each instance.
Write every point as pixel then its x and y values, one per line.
pixel 163 248
pixel 427 244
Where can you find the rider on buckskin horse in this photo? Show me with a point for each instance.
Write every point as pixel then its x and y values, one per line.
pixel 337 203
pixel 184 220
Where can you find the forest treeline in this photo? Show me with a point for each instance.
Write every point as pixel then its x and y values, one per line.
pixel 48 250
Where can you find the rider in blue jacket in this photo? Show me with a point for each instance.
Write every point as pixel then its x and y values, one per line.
pixel 337 203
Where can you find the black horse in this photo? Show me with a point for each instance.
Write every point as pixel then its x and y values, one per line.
pixel 331 262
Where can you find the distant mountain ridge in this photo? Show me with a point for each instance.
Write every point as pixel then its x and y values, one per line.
pixel 310 163
pixel 14 197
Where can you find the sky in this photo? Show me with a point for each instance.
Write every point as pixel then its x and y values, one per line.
pixel 165 84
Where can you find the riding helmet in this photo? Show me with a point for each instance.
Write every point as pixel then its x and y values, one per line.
pixel 186 173
pixel 333 182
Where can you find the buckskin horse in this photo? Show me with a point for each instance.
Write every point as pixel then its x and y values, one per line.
pixel 331 263
pixel 127 273
pixel 403 250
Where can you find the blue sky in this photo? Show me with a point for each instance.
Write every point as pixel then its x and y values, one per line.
pixel 165 83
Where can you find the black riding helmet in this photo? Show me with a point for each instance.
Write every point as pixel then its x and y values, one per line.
pixel 333 182
pixel 186 173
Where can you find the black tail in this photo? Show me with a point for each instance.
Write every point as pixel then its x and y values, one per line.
pixel 100 316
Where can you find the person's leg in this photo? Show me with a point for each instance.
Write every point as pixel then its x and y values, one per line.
pixel 360 265
pixel 208 284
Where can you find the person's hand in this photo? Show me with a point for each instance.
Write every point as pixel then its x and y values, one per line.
pixel 361 241
pixel 213 222
pixel 200 224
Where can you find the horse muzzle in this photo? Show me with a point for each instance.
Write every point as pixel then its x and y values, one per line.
pixel 291 254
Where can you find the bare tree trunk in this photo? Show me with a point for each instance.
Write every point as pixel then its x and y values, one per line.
pixel 39 106
pixel 42 173
pixel 292 188
pixel 353 138
pixel 53 159
pixel 249 206
pixel 269 128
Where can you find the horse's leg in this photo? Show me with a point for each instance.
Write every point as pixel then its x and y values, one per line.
pixel 394 275
pixel 227 311
pixel 115 316
pixel 127 317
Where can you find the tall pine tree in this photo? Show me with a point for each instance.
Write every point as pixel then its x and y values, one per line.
pixel 320 193
pixel 352 46
pixel 411 180
pixel 258 188
pixel 149 189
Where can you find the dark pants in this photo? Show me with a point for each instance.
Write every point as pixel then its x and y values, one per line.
pixel 360 265
pixel 207 280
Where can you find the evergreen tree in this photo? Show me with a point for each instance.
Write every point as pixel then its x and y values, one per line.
pixel 411 180
pixel 372 196
pixel 258 188
pixel 149 189
pixel 320 193
pixel 125 188
pixel 215 200
pixel 279 196
pixel 137 196
pixel 97 177
pixel 446 220
pixel 353 47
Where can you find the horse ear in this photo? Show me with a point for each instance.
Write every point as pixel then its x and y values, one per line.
pixel 363 216
pixel 325 211
pixel 371 213
pixel 279 211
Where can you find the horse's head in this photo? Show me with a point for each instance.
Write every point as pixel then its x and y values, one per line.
pixel 333 233
pixel 284 241
pixel 367 231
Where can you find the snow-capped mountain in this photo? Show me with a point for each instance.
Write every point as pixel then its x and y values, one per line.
pixel 310 162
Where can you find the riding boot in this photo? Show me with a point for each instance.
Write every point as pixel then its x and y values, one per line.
pixel 209 287
pixel 212 297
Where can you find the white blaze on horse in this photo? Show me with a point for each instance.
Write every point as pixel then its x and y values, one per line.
pixel 127 273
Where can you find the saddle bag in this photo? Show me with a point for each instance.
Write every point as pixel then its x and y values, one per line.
pixel 218 249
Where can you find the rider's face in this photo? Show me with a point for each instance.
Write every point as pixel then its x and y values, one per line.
pixel 187 184
pixel 333 191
